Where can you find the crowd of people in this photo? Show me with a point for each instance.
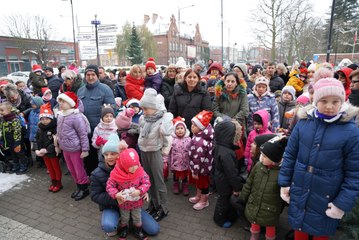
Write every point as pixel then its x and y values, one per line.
pixel 262 137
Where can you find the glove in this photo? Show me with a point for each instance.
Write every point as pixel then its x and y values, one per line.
pixel 284 194
pixel 37 152
pixel 100 141
pixel 334 212
pixel 84 154
pixel 43 151
pixel 167 117
pixel 57 150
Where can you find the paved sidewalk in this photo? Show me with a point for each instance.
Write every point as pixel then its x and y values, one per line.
pixel 45 215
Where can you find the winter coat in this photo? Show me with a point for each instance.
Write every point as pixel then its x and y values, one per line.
pixel 120 91
pixel 72 131
pixel 107 81
pixel 262 196
pixel 346 71
pixel 200 154
pixel 167 89
pixel 93 97
pixel 283 108
pixel 134 87
pixel 141 183
pixel 25 105
pixel 11 131
pixel 45 138
pixel 154 141
pixel 320 166
pixel 354 98
pixel 226 174
pixel 266 102
pixel 253 134
pixel 154 81
pixel 188 104
pixel 179 154
pixel 285 77
pixel 37 83
pixel 295 81
pixel 98 193
pixel 276 83
pixel 234 107
pixel 103 130
pixel 32 123
pixel 54 83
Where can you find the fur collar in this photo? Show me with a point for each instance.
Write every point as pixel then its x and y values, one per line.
pixel 349 112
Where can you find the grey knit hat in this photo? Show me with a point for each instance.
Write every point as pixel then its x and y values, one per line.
pixel 149 99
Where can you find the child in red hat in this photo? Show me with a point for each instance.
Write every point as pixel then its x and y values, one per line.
pixel 128 184
pixel 46 146
pixel 153 77
pixel 201 158
pixel 179 155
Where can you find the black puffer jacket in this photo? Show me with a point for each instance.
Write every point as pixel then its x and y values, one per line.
pixel 188 104
pixel 276 83
pixel 45 139
pixel 99 178
pixel 226 174
pixel 167 89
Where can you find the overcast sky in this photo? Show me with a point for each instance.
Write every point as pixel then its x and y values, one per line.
pixel 237 14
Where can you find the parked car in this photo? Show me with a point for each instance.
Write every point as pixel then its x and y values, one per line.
pixel 19 76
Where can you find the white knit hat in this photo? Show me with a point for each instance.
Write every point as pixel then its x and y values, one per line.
pixel 149 99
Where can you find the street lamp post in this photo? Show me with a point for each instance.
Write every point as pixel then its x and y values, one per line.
pixel 179 23
pixel 234 45
pixel 330 31
pixel 73 29
pixel 96 23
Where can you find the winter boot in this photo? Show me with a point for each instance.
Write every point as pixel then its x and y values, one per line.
pixel 185 189
pixel 123 232
pixel 196 198
pixel 15 168
pixel 74 194
pixel 84 192
pixel 57 187
pixel 160 214
pixel 53 184
pixel 255 236
pixel 203 202
pixel 175 188
pixel 23 169
pixel 139 234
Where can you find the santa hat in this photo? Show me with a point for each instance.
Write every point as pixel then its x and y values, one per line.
pixel 328 87
pixel 112 143
pixel 133 102
pixel 202 119
pixel 151 63
pixel 45 90
pixel 124 118
pixel 303 71
pixel 177 121
pixel 70 98
pixel 3 82
pixel 274 148
pixel 36 68
pixel 45 111
pixel 128 158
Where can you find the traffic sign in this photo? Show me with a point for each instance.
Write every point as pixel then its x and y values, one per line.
pixel 85 37
pixel 96 22
pixel 107 28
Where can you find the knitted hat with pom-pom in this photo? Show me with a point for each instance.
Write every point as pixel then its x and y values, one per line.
pixel 124 118
pixel 112 144
pixel 151 63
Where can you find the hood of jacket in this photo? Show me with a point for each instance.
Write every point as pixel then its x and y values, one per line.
pixel 346 72
pixel 224 133
pixel 264 115
pixel 348 112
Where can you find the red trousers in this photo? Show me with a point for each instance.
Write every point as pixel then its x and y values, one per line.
pixel 53 165
pixel 304 236
pixel 270 230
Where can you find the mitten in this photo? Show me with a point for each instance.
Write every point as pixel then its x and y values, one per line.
pixel 167 117
pixel 129 112
pixel 37 152
pixel 43 151
pixel 84 154
pixel 334 212
pixel 100 141
pixel 284 194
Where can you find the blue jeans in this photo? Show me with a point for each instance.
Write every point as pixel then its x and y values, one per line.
pixel 110 218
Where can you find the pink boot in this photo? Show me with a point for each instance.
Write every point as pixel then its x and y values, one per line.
pixel 175 188
pixel 185 189
pixel 196 198
pixel 203 202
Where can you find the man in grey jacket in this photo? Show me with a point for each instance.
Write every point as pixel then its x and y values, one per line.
pixel 93 96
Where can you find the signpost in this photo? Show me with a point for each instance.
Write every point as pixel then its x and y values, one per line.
pixel 96 23
pixel 107 28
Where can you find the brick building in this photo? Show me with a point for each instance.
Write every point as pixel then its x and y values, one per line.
pixel 322 57
pixel 171 46
pixel 17 54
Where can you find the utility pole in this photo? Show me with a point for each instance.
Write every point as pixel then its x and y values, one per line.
pixel 222 30
pixel 330 31
pixel 73 31
pixel 96 23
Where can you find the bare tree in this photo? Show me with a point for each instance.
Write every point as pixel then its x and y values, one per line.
pixel 26 28
pixel 267 19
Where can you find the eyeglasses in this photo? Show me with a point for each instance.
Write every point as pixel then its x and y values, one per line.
pixel 355 81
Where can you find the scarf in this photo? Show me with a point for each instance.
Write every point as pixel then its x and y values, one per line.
pixel 9 117
pixel 68 112
pixel 119 175
pixel 221 91
pixel 18 102
pixel 149 120
pixel 327 118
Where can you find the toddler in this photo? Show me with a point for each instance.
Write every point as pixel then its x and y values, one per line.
pixel 153 78
pixel 128 184
pixel 200 156
pixel 135 83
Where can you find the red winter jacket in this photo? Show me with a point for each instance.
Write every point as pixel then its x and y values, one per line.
pixel 134 87
pixel 346 71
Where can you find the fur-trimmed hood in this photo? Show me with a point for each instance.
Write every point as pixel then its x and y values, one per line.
pixel 348 112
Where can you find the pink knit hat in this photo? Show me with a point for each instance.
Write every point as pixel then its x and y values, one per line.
pixel 328 87
pixel 124 118
pixel 302 99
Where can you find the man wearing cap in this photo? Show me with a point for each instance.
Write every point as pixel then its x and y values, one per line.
pixel 200 68
pixel 93 96
pixel 53 81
